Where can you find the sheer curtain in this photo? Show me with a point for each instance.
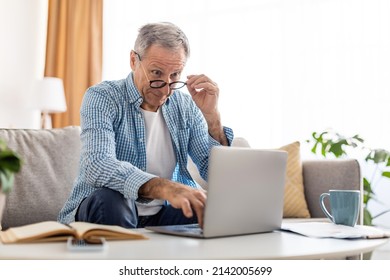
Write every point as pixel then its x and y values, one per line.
pixel 285 68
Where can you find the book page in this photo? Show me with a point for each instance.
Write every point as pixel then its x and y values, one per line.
pixel 37 231
pixel 89 230
pixel 327 229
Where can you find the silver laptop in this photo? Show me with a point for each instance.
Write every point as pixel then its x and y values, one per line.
pixel 245 194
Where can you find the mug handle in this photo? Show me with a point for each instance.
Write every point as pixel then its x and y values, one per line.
pixel 323 207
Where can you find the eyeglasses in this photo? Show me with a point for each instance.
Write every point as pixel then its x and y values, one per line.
pixel 161 83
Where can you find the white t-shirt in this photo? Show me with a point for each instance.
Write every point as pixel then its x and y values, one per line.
pixel 160 156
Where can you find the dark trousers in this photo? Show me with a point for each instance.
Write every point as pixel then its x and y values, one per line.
pixel 109 207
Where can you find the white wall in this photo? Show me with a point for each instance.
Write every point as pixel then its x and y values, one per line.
pixel 22 55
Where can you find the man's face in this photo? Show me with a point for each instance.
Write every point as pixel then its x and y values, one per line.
pixel 157 63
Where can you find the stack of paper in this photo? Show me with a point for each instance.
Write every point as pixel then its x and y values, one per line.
pixel 326 229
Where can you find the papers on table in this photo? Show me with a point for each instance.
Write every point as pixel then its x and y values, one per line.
pixel 327 229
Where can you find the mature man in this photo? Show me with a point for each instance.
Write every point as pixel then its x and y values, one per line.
pixel 137 134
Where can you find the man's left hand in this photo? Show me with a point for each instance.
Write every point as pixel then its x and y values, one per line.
pixel 204 92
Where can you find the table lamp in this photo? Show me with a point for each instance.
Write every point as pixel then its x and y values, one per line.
pixel 49 98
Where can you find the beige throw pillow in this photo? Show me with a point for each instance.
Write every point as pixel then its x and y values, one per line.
pixel 295 205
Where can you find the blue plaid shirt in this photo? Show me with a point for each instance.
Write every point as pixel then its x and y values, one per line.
pixel 113 152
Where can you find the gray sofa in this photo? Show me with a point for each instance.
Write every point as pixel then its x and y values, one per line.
pixel 51 159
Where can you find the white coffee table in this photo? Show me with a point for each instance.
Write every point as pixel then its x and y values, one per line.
pixel 275 245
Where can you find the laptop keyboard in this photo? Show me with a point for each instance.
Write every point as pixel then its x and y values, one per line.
pixel 190 228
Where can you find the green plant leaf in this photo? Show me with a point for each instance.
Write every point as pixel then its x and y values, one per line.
pixel 367 185
pixel 9 161
pixel 378 156
pixel 318 141
pixel 358 138
pixel 367 218
pixel 6 181
pixel 386 174
pixel 323 149
pixel 368 192
pixel 3 145
pixel 334 143
pixel 337 148
pixel 314 149
pixel 320 137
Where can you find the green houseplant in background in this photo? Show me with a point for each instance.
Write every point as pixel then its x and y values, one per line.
pixel 329 143
pixel 10 163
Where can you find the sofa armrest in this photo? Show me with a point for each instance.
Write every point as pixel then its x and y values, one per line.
pixel 320 176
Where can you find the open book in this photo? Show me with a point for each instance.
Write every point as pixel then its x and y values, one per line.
pixel 55 231
pixel 327 229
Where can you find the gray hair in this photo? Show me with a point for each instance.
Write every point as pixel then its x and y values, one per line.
pixel 164 34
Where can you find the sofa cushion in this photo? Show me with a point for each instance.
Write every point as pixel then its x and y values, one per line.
pixel 295 205
pixel 50 164
pixel 321 175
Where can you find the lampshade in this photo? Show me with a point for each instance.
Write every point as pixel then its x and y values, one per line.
pixel 49 95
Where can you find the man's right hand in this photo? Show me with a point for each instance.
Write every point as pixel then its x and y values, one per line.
pixel 178 195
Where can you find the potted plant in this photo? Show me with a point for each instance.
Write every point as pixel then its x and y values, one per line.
pixel 10 163
pixel 329 142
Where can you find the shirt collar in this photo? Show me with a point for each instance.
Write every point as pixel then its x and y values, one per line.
pixel 132 91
